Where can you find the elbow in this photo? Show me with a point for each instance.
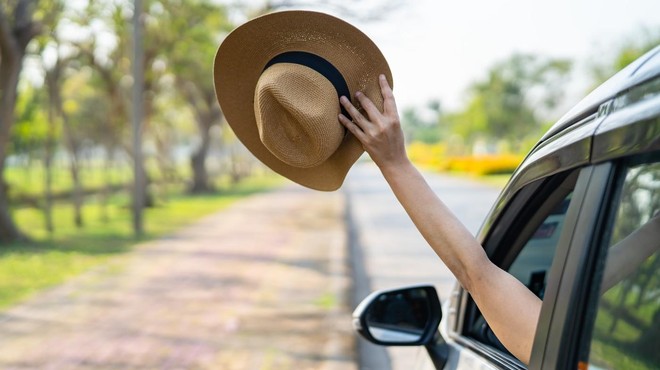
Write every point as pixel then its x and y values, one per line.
pixel 477 274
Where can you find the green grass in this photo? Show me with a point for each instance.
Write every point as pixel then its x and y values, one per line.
pixel 48 260
pixel 30 180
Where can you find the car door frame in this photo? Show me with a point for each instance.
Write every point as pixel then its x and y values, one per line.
pixel 625 132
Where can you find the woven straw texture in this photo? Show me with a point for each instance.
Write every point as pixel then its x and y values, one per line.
pixel 298 152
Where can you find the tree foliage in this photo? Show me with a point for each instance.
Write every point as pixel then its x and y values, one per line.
pixel 80 66
pixel 623 54
pixel 511 102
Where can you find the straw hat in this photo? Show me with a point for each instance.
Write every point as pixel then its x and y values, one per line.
pixel 278 79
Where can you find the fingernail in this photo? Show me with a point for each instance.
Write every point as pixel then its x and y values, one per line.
pixel 358 93
pixel 343 99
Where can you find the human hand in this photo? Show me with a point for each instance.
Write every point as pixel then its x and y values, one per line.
pixel 380 133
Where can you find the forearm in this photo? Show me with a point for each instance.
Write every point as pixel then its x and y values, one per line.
pixel 512 315
pixel 446 235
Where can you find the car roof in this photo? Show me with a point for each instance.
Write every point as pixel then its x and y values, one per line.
pixel 637 72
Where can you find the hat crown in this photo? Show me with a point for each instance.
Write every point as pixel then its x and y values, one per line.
pixel 296 111
pixel 344 55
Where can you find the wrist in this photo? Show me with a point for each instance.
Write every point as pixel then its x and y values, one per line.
pixel 394 167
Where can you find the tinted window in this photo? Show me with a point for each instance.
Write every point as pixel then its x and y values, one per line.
pixel 626 329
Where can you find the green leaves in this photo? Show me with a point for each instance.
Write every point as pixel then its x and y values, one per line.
pixel 513 100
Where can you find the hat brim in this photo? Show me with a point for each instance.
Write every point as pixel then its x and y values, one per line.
pixel 244 53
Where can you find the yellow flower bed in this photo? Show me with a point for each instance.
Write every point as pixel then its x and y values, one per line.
pixel 486 164
pixel 433 156
pixel 427 155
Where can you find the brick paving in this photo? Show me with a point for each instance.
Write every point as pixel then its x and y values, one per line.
pixel 262 285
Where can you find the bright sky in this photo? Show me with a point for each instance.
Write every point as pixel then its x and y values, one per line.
pixel 436 48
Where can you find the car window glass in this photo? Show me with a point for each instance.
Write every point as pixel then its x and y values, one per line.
pixel 626 329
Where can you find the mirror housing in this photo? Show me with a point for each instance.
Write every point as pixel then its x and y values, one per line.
pixel 406 316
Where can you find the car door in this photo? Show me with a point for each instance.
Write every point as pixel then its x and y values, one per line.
pixel 595 323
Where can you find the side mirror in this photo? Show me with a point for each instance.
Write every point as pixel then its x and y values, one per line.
pixel 400 317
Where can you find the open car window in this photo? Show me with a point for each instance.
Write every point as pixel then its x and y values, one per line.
pixel 532 264
pixel 528 247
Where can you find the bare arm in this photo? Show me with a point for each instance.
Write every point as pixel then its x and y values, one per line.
pixel 510 309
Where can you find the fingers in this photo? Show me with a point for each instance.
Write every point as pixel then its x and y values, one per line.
pixel 368 105
pixel 389 104
pixel 358 118
pixel 362 126
pixel 357 125
pixel 352 128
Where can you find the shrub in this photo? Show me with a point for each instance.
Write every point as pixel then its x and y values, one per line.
pixel 485 164
pixel 433 156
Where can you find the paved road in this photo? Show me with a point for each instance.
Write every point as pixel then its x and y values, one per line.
pixel 389 252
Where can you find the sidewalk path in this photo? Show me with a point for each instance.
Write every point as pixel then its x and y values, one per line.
pixel 261 285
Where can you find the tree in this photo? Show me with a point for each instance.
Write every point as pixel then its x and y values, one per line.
pixel 93 100
pixel 112 70
pixel 20 23
pixel 54 78
pixel 510 102
pixel 203 24
pixel 364 10
pixel 625 53
pixel 425 129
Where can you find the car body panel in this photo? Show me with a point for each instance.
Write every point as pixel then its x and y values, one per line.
pixel 630 129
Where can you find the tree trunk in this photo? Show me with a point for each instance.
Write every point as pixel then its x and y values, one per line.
pixel 8 230
pixel 77 196
pixel 107 184
pixel 200 182
pixel 53 79
pixel 10 68
pixel 207 113
pixel 16 31
pixel 48 169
